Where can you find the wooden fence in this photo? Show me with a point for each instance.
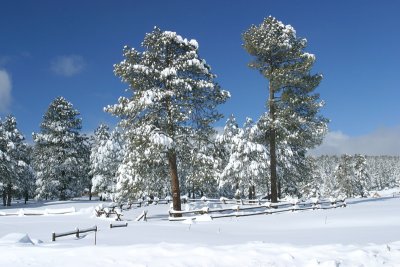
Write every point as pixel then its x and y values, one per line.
pixel 76 232
pixel 257 208
pixel 118 225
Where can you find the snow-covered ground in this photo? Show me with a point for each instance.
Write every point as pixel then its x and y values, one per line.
pixel 366 233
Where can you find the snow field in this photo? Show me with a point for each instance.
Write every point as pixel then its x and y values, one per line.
pixel 366 233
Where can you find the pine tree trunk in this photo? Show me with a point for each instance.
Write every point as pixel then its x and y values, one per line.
pixel 279 189
pixel 272 146
pixel 26 195
pixel 9 194
pixel 4 197
pixel 250 192
pixel 236 190
pixel 173 168
pixel 176 195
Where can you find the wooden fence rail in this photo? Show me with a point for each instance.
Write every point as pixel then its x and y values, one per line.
pixel 118 225
pixel 76 232
pixel 266 208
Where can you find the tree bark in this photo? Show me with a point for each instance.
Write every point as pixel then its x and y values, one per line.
pixel 26 195
pixel 4 197
pixel 272 146
pixel 90 193
pixel 237 196
pixel 173 168
pixel 176 194
pixel 9 194
pixel 250 192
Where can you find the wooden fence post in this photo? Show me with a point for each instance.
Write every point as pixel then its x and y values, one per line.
pixel 77 232
pixel 53 237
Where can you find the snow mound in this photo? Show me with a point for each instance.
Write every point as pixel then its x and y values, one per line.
pixel 203 218
pixel 16 238
pixel 60 211
pixel 201 205
pixel 189 221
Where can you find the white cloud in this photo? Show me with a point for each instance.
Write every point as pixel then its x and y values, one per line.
pixel 5 91
pixel 68 65
pixel 383 141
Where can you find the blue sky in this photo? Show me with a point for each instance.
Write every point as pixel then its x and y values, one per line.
pixel 68 48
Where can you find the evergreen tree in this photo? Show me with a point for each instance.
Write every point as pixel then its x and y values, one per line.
pixel 248 162
pixel 361 182
pixel 57 152
pixel 174 98
pixel 224 143
pixel 97 168
pixel 311 182
pixel 292 122
pixel 200 168
pixel 4 162
pixel 27 178
pixel 106 155
pixel 344 175
pixel 326 167
pixel 83 159
pixel 13 158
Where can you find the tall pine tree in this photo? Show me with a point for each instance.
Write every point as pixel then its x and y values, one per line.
pixel 291 124
pixel 174 98
pixel 57 152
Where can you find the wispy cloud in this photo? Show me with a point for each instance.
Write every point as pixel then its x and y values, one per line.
pixel 4 60
pixel 5 91
pixel 8 59
pixel 68 65
pixel 383 141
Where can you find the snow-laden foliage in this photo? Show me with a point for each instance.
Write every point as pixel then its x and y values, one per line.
pixel 350 176
pixel 85 179
pixel 224 147
pixel 173 101
pixel 16 176
pixel 247 163
pixel 199 166
pixel 58 157
pixel 106 155
pixel 292 124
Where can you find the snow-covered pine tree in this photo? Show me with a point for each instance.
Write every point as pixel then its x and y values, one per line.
pixel 26 175
pixel 311 183
pixel 200 167
pixel 99 139
pixel 248 162
pixel 106 155
pixel 173 92
pixel 292 121
pixel 13 158
pixel 344 175
pixel 84 183
pixel 362 181
pixel 57 157
pixel 326 167
pixel 4 162
pixel 224 144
